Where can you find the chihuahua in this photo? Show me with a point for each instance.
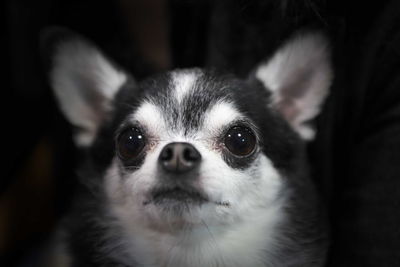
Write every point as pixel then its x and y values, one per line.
pixel 192 167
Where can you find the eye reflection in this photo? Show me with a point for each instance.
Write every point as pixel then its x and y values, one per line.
pixel 240 140
pixel 130 143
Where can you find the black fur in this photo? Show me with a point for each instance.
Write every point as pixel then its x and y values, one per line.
pixel 277 141
pixel 89 226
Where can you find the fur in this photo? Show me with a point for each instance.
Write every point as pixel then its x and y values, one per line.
pixel 261 209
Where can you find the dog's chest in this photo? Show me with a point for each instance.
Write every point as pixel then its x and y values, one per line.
pixel 244 245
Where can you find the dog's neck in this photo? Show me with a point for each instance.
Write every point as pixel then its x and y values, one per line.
pixel 251 241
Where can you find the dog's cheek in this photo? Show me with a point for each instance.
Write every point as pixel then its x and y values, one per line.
pixel 266 182
pixel 113 184
pixel 126 186
pixel 218 179
pixel 141 181
pixel 257 186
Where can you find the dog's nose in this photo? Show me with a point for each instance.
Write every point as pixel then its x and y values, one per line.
pixel 179 157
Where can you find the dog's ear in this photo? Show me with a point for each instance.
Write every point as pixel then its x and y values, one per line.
pixel 84 81
pixel 298 76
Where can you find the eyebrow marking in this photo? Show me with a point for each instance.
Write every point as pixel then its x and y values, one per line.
pixel 222 113
pixel 150 116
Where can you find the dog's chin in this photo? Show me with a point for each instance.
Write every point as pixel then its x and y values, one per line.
pixel 175 206
pixel 176 200
pixel 178 207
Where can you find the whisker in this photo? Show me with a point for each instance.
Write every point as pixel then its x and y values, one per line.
pixel 223 203
pixel 213 239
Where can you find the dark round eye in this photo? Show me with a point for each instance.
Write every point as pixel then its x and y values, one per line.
pixel 130 143
pixel 240 140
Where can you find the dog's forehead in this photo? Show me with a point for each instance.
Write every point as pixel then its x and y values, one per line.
pixel 183 82
pixel 187 101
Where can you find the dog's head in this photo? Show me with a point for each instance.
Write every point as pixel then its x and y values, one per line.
pixel 191 146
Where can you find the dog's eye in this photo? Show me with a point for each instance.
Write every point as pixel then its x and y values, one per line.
pixel 130 143
pixel 240 140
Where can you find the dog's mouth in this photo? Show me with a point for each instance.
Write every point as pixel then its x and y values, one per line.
pixel 176 195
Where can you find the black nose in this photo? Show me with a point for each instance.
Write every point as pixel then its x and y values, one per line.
pixel 179 157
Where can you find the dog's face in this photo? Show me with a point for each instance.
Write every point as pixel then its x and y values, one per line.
pixel 191 150
pixel 192 147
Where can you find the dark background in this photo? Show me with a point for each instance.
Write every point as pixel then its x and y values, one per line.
pixel 355 158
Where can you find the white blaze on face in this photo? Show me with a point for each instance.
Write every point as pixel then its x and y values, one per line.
pixel 183 82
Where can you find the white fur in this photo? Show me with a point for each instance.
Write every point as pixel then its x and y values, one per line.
pixel 241 233
pixel 219 115
pixel 150 117
pixel 183 82
pixel 303 61
pixel 82 79
pixel 239 226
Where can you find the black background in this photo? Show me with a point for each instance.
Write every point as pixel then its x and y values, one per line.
pixel 356 156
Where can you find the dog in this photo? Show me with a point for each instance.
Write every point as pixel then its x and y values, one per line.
pixel 192 167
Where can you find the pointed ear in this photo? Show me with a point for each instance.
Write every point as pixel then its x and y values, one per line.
pixel 299 76
pixel 84 81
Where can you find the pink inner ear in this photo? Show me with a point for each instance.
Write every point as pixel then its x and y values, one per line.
pixel 299 76
pixel 288 109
